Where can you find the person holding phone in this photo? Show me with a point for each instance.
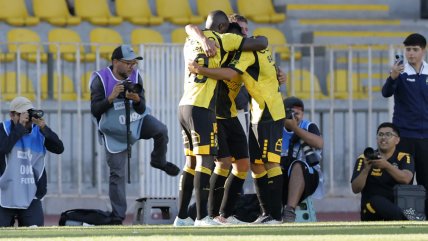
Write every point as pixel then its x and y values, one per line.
pixel 408 84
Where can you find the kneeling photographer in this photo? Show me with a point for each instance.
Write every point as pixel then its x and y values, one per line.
pixel 301 156
pixel 376 172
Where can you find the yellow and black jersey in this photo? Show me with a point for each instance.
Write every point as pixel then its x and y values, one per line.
pixel 259 75
pixel 200 90
pixel 227 92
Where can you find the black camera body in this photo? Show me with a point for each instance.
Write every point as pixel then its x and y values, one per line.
pixel 37 114
pixel 132 88
pixel 371 154
pixel 312 158
pixel 289 113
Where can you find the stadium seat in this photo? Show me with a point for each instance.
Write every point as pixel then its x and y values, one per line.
pixel 108 38
pixel 15 13
pixel 340 81
pixel 6 57
pixel 278 41
pixel 177 12
pixel 137 12
pixel 54 12
pixel 68 40
pixel 145 36
pixel 178 36
pixel 206 6
pixel 96 12
pixel 9 87
pixel 67 91
pixel 259 11
pixel 301 82
pixel 30 42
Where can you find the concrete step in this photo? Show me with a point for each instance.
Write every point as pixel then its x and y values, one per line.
pixel 355 37
pixel 348 22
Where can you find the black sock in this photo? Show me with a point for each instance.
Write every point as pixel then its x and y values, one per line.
pixel 185 193
pixel 215 194
pixel 263 193
pixel 202 188
pixel 232 190
pixel 275 187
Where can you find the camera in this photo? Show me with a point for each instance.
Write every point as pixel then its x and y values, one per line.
pixel 37 114
pixel 399 59
pixel 130 87
pixel 289 113
pixel 311 156
pixel 371 154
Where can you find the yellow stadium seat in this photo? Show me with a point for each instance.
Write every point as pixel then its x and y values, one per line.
pixel 206 6
pixel 137 12
pixel 108 38
pixel 9 86
pixel 340 89
pixel 67 91
pixel 54 12
pixel 178 36
pixel 259 11
pixel 177 12
pixel 96 12
pixel 84 85
pixel 301 82
pixel 14 12
pixel 145 36
pixel 28 42
pixel 278 41
pixel 67 40
pixel 6 57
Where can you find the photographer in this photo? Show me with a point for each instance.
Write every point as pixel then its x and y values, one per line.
pixel 112 89
pixel 301 154
pixel 24 140
pixel 377 172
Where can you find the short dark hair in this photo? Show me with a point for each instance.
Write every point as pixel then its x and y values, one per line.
pixel 415 39
pixel 293 101
pixel 234 28
pixel 234 17
pixel 390 125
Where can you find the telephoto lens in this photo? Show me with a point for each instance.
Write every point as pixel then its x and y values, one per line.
pixel 35 113
pixel 371 154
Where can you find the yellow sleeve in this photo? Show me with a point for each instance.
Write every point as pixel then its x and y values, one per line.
pixel 241 61
pixel 231 42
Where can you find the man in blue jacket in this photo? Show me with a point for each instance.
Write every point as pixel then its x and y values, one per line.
pixel 408 83
pixel 24 140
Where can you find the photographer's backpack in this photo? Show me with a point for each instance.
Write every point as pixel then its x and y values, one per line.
pixel 411 199
pixel 80 217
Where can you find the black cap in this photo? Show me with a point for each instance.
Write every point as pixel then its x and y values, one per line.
pixel 125 52
pixel 292 101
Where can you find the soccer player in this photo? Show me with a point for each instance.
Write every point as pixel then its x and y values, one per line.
pixel 197 113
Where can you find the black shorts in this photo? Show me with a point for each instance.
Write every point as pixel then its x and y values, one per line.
pixel 311 177
pixel 232 141
pixel 199 130
pixel 265 141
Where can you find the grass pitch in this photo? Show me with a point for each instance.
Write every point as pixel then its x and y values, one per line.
pixel 361 231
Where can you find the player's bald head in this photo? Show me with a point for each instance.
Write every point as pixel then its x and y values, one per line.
pixel 217 21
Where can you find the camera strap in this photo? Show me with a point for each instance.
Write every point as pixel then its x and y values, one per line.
pixel 293 140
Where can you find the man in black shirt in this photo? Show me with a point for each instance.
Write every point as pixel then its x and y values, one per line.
pixel 376 175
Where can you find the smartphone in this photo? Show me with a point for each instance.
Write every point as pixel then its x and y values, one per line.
pixel 399 59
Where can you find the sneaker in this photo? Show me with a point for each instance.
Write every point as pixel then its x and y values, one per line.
pixel 289 215
pixel 220 220
pixel 179 222
pixel 207 221
pixel 266 219
pixel 170 168
pixel 232 220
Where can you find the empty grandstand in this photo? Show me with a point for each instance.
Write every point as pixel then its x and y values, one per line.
pixel 336 57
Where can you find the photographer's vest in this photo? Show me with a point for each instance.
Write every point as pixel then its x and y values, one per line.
pixel 112 123
pixel 24 167
pixel 286 136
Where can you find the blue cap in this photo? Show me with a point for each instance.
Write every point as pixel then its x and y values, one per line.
pixel 125 52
